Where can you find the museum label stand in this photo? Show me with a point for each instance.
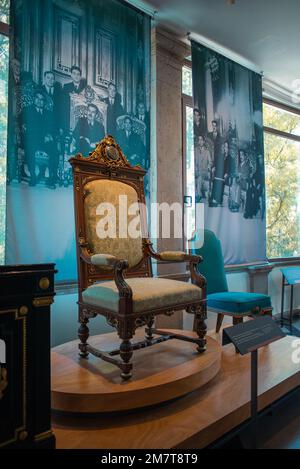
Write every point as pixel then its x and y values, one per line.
pixel 247 338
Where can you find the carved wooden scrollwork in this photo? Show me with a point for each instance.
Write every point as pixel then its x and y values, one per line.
pixel 112 320
pixel 77 183
pixel 109 153
pixel 88 313
pixel 123 287
pixel 170 313
pixel 144 320
pixel 91 269
pixel 198 310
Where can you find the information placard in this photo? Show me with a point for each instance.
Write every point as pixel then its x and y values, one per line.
pixel 252 335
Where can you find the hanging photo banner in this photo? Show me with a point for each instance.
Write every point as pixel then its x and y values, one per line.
pixel 229 154
pixel 80 69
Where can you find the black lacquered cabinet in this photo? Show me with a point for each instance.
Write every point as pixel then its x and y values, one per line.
pixel 26 293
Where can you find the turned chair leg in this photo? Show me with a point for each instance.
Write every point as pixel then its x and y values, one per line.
pixel 219 322
pixel 200 327
pixel 126 352
pixel 83 335
pixel 125 332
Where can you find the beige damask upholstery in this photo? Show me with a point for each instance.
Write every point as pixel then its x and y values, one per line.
pixel 148 294
pixel 108 191
pixel 173 256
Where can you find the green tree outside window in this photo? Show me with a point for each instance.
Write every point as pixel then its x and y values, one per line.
pixel 4 10
pixel 282 168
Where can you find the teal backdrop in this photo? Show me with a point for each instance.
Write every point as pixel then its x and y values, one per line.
pixel 79 69
pixel 229 154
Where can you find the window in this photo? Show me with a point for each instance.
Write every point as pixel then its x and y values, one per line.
pixel 189 172
pixel 282 168
pixel 188 149
pixel 4 64
pixel 187 84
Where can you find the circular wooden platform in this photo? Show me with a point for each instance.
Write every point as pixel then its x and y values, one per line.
pixel 160 373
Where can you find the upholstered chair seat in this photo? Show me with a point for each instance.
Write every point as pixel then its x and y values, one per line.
pixel 147 294
pixel 238 302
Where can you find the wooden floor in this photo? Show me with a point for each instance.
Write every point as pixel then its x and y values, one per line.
pixel 281 429
pixel 193 421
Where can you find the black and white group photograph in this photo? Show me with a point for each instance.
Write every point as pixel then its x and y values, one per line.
pixel 226 175
pixel 229 152
pixel 82 80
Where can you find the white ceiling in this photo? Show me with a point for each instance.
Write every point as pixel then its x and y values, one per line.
pixel 265 32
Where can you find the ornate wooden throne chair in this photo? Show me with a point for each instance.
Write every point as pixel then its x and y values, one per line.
pixel 115 273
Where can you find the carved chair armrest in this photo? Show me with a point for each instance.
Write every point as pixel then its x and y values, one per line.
pixel 107 261
pixel 197 278
pixel 179 256
pixel 110 262
pixel 85 254
pixel 170 256
pixel 125 291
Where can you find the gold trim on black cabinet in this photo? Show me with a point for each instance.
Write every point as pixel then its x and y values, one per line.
pixel 44 435
pixel 23 310
pixel 44 283
pixel 19 432
pixel 43 301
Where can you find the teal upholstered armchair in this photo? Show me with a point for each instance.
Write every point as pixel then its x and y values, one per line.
pixel 219 299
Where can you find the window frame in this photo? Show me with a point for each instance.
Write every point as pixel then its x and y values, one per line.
pixel 284 107
pixel 187 101
pixel 295 138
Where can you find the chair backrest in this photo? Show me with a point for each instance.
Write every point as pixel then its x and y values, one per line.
pixel 106 187
pixel 212 266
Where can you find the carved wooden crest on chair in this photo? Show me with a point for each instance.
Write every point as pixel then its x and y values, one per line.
pixel 130 297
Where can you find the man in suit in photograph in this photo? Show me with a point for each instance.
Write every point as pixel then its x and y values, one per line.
pixel 88 131
pixel 215 138
pixel 38 126
pixel 76 86
pixel 198 125
pixel 131 144
pixel 114 109
pixel 143 116
pixel 53 90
